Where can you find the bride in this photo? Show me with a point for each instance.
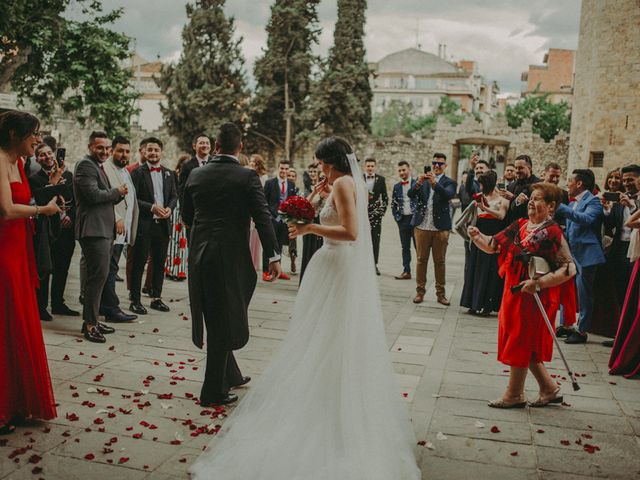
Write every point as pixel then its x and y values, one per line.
pixel 327 407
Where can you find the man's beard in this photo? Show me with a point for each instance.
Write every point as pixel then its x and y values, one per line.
pixel 120 162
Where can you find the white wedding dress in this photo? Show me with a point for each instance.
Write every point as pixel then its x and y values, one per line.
pixel 327 407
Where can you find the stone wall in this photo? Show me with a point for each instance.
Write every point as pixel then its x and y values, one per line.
pixel 606 108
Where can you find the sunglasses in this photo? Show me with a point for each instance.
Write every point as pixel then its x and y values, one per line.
pixel 437 164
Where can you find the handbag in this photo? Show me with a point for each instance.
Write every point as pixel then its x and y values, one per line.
pixel 538 267
pixel 468 219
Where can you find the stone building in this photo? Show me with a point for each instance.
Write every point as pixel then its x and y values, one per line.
pixel 554 77
pixel 144 73
pixel 422 78
pixel 605 123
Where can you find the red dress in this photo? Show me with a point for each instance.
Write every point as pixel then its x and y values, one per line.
pixel 625 356
pixel 523 336
pixel 25 384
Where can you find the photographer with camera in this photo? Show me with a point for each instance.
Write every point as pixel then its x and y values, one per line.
pixel 432 223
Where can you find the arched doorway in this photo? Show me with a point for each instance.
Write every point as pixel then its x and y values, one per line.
pixel 497 151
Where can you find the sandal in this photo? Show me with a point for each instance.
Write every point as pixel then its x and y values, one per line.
pixel 7 429
pixel 544 401
pixel 500 403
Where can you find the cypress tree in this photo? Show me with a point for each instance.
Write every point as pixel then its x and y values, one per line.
pixel 207 86
pixel 341 100
pixel 283 77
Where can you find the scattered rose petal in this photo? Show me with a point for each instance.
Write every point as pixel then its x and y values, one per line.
pixel 495 429
pixel 565 442
pixel 587 436
pixel 35 458
pixel 89 456
pixel 66 357
pixel 441 436
pixel 183 460
pixel 540 430
pixel 514 454
pixel 137 435
pixel 590 448
pixel 36 470
pixel 123 460
pixel 166 406
pixel 613 383
pixel 112 348
pixel 72 417
pixel 485 353
pixel 479 424
pixel 155 330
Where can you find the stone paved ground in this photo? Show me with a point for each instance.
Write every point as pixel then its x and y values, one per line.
pixel 127 408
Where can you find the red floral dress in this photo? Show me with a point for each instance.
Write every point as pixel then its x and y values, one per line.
pixel 25 384
pixel 176 263
pixel 523 336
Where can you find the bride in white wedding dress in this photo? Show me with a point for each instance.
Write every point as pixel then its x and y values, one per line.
pixel 327 407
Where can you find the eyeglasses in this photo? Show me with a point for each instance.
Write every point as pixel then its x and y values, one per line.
pixel 437 164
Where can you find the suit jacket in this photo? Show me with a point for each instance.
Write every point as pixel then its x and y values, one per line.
pixel 443 191
pixel 397 201
pixel 121 208
pixel 185 171
pixel 43 192
pixel 220 199
pixel 272 195
pixel 94 199
pixel 518 187
pixel 141 178
pixel 614 223
pixel 583 230
pixel 378 199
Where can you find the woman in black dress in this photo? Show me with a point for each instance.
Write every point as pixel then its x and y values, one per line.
pixel 316 194
pixel 482 290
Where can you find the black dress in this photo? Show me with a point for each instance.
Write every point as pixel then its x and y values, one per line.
pixel 483 286
pixel 310 242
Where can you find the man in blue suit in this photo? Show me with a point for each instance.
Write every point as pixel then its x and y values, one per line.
pixel 403 208
pixel 432 222
pixel 583 222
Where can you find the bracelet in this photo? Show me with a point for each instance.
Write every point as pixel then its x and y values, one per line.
pixel 37 211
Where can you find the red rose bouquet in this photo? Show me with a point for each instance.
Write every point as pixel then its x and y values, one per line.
pixel 296 209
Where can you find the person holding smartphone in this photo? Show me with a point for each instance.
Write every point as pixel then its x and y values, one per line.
pixel 431 220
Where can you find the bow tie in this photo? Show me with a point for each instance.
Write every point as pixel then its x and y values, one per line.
pixel 155 169
pixel 405 183
pixel 371 177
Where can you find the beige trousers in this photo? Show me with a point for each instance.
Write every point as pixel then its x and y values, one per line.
pixel 428 241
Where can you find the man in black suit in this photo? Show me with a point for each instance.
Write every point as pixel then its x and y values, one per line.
pixel 519 191
pixel 432 221
pixel 50 181
pixel 276 191
pixel 378 202
pixel 219 201
pixel 157 195
pixel 202 148
pixel 95 228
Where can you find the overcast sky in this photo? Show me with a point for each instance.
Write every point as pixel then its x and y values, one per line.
pixel 503 36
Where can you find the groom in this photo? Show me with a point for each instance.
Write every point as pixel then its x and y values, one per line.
pixel 220 198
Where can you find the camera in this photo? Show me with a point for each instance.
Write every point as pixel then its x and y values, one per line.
pixel 611 196
pixel 501 186
pixel 60 155
pixel 427 169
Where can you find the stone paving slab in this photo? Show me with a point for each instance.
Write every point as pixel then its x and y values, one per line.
pixel 446 370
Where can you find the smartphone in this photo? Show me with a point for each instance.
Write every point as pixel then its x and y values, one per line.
pixel 501 186
pixel 427 169
pixel 478 196
pixel 60 155
pixel 611 196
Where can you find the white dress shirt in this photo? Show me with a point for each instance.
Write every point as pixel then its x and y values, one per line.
pixel 158 185
pixel 427 221
pixel 406 201
pixel 371 181
pixel 202 161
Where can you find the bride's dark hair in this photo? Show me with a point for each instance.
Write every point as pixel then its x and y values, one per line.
pixel 334 151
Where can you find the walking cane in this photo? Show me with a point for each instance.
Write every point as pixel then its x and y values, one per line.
pixel 536 273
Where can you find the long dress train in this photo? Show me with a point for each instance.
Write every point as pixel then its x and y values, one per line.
pixel 25 384
pixel 625 356
pixel 327 407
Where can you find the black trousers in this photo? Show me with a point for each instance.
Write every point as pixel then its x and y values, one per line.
pixel 282 234
pixel 110 303
pixel 156 241
pixel 222 374
pixel 97 253
pixel 376 231
pixel 406 235
pixel 61 253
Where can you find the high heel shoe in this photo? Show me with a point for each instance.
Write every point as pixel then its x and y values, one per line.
pixel 541 401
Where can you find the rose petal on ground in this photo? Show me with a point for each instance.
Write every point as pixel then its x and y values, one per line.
pixel 123 460
pixel 495 429
pixel 479 424
pixel 565 442
pixel 89 456
pixel 441 436
pixel 514 454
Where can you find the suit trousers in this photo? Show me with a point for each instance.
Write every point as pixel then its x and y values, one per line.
pixel 376 232
pixel 97 254
pixel 156 242
pixel 282 234
pixel 584 286
pixel 222 373
pixel 406 235
pixel 428 241
pixel 110 303
pixel 61 255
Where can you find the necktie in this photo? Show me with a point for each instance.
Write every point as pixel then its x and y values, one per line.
pixel 282 187
pixel 405 183
pixel 155 169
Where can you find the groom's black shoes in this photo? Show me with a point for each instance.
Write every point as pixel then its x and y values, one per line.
pixel 224 400
pixel 244 381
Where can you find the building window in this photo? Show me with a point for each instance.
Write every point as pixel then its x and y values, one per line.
pixel 596 159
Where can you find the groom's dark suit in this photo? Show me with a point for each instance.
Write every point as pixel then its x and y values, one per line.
pixel 220 198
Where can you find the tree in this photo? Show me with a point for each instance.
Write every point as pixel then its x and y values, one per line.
pixel 283 77
pixel 341 101
pixel 547 118
pixel 76 65
pixel 207 87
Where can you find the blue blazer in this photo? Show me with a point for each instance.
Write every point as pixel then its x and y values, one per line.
pixel 443 192
pixel 397 201
pixel 583 230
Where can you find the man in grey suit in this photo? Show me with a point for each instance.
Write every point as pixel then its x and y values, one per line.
pixel 126 213
pixel 95 228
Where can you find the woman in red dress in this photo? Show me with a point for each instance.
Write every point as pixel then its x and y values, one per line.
pixel 25 385
pixel 524 341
